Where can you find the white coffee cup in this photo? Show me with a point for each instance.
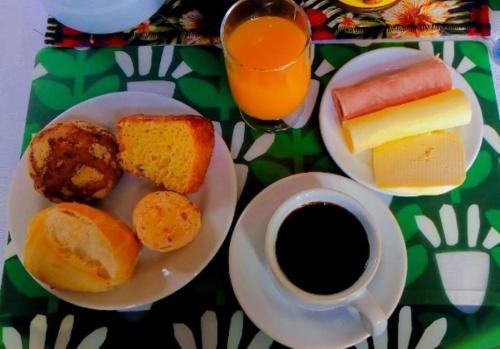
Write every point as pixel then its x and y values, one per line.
pixel 357 295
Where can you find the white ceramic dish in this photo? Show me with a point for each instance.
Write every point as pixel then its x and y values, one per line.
pixel 372 63
pixel 280 317
pixel 101 17
pixel 157 275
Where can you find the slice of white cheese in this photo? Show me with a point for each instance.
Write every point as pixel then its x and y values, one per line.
pixel 422 163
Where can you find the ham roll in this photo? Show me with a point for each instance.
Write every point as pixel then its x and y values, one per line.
pixel 394 88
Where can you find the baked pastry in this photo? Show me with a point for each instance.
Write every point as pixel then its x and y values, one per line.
pixel 76 247
pixel 173 151
pixel 166 221
pixel 74 161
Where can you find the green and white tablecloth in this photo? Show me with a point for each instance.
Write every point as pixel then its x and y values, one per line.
pixel 453 240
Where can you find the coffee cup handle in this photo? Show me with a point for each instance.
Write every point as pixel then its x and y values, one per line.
pixel 373 318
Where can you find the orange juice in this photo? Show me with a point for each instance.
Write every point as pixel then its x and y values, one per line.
pixel 268 66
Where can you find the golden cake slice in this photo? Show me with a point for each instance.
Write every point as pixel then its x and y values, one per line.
pixel 80 248
pixel 166 221
pixel 173 151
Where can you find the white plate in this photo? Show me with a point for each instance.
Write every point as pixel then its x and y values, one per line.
pixel 102 16
pixel 279 317
pixel 157 275
pixel 359 166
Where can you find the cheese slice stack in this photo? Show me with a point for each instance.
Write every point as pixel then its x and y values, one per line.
pixel 422 164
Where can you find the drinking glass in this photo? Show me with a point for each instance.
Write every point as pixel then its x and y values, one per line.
pixel 268 63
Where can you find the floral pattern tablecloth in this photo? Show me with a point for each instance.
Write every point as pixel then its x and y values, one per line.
pixel 452 293
pixel 198 22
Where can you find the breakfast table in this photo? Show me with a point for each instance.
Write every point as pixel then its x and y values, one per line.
pixel 451 296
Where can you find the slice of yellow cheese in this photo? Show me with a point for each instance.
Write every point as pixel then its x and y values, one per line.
pixel 444 110
pixel 425 163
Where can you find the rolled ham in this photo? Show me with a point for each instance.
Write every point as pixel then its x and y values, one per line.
pixel 390 89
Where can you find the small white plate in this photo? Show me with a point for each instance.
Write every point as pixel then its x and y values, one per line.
pixel 102 16
pixel 280 317
pixel 359 167
pixel 157 275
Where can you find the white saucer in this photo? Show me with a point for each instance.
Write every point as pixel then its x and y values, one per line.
pixel 359 166
pixel 279 317
pixel 156 275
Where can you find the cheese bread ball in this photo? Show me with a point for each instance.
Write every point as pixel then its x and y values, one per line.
pixel 166 221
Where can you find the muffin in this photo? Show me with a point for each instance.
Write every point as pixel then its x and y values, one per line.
pixel 166 221
pixel 76 247
pixel 171 151
pixel 74 161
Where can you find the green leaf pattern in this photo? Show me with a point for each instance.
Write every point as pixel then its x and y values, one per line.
pixel 417 262
pixel 481 56
pixel 406 219
pixel 98 62
pixel 200 92
pixel 213 92
pixel 202 61
pixel 475 176
pixel 269 172
pixel 22 281
pixel 338 55
pixel 102 86
pixel 493 217
pixel 69 73
pixel 58 63
pixel 482 85
pixel 53 94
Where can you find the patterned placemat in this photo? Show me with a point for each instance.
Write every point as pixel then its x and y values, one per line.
pixel 452 240
pixel 198 21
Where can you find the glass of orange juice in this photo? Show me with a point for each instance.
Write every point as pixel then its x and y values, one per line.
pixel 267 51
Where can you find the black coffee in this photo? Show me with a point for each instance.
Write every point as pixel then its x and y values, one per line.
pixel 322 248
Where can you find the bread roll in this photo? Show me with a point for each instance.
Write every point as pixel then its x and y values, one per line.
pixel 74 161
pixel 172 151
pixel 76 247
pixel 166 221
